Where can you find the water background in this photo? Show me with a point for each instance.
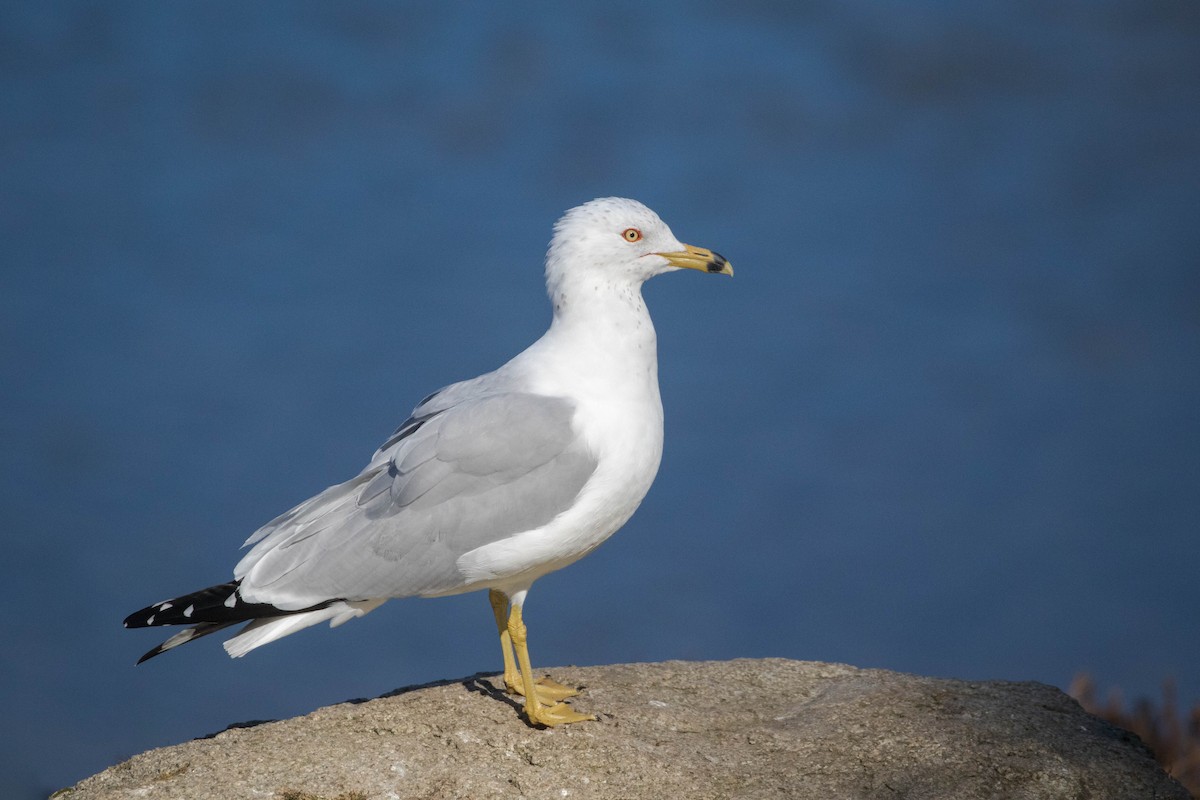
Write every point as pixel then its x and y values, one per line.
pixel 944 420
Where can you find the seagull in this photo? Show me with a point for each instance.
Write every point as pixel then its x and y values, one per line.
pixel 491 482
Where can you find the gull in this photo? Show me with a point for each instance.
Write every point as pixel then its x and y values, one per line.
pixel 491 482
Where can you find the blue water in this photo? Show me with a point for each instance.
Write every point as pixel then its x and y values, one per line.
pixel 945 419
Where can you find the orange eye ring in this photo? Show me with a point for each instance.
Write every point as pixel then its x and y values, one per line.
pixel 632 235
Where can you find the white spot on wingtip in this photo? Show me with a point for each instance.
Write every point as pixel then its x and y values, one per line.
pixel 164 605
pixel 231 601
pixel 151 620
pixel 187 612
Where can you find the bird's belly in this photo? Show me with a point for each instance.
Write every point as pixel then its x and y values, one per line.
pixel 521 559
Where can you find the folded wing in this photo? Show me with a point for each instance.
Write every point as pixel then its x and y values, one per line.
pixel 451 479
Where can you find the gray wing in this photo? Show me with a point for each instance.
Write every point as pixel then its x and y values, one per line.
pixel 451 479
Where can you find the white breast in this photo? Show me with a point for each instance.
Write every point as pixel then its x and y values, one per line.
pixel 613 380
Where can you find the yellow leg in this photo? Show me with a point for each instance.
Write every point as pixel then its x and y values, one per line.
pixel 512 678
pixel 548 691
pixel 538 713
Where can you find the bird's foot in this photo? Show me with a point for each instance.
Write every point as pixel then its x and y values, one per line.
pixel 547 691
pixel 554 714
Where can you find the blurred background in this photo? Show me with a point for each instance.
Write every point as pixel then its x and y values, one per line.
pixel 945 420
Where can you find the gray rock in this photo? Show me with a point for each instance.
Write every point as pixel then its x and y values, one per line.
pixel 736 729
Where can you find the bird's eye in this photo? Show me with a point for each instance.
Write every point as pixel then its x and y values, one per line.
pixel 632 235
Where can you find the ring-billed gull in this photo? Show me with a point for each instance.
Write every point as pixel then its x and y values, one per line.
pixel 491 482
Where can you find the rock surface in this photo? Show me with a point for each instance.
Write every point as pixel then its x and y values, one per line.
pixel 736 729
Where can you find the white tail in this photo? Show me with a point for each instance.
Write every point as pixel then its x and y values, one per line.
pixel 265 631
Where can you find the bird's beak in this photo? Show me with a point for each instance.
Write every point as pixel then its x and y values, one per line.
pixel 699 258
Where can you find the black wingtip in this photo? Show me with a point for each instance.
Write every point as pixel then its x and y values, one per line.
pixel 205 605
pixel 187 635
pixel 149 655
pixel 145 618
pixel 206 611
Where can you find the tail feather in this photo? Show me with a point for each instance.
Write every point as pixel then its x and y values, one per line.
pixel 265 631
pixel 218 607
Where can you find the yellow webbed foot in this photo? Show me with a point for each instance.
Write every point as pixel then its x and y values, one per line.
pixel 547 691
pixel 553 715
pixel 550 691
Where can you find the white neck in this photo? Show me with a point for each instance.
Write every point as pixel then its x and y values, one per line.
pixel 602 337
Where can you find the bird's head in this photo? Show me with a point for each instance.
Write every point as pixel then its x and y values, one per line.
pixel 616 240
